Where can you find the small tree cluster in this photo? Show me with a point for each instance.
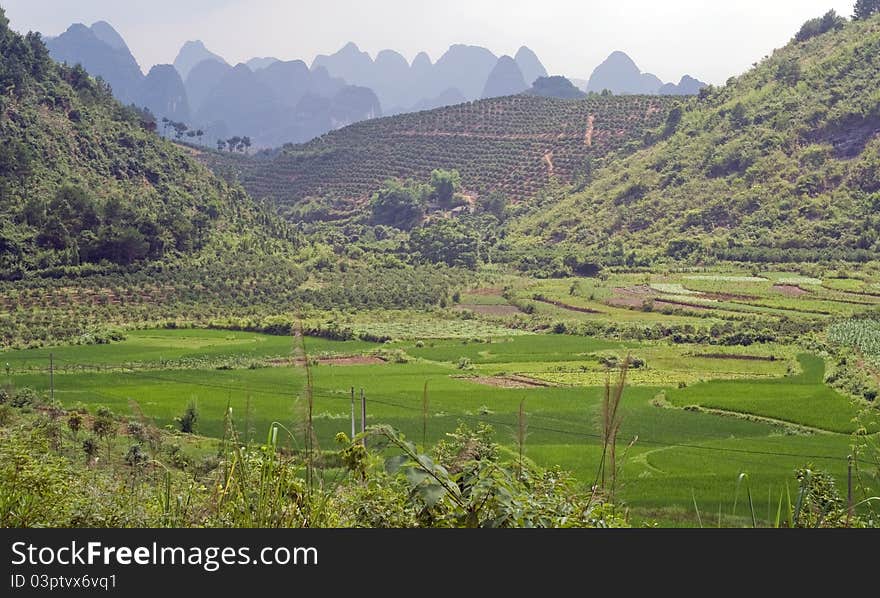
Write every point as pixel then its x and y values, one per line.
pixel 865 9
pixel 830 21
pixel 234 144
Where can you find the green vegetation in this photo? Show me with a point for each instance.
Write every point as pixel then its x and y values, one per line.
pixel 592 312
pixel 86 182
pixel 779 165
pixel 514 145
pixel 778 419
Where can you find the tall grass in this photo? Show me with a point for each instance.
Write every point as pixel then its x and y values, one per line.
pixel 609 426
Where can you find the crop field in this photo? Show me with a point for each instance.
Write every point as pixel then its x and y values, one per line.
pixel 689 299
pixel 515 145
pixel 695 417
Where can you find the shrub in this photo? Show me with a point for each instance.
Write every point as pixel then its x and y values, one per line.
pixel 187 421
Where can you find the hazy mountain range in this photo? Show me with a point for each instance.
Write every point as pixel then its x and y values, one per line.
pixel 275 102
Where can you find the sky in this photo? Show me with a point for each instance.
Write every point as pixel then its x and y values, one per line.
pixel 709 39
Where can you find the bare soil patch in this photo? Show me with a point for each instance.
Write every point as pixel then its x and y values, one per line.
pixel 508 382
pixel 630 297
pixel 560 304
pixel 790 290
pixel 342 361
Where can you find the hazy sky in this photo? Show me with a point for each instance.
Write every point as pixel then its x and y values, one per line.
pixel 709 39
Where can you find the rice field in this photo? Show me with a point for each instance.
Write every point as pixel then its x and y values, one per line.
pixel 774 413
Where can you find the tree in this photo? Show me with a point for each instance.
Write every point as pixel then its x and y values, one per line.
pixel 444 185
pixel 495 204
pixel 187 421
pixel 104 427
pixel 221 145
pixel 90 448
pixel 865 9
pixel 828 22
pixel 397 204
pixel 179 129
pixel 445 241
pixel 74 423
pixel 246 143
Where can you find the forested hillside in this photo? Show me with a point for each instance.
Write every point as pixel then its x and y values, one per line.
pixel 85 183
pixel 781 164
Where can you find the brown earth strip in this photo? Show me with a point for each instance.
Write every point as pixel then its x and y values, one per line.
pixel 519 382
pixel 560 304
pixel 350 360
pixel 790 290
pixel 489 310
pixel 737 357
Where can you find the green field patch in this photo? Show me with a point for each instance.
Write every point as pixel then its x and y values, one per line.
pixel 725 278
pixel 517 349
pixel 803 399
pixel 178 348
pixel 672 289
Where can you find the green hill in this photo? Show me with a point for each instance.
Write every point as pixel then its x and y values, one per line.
pixel 85 183
pixel 513 144
pixel 780 164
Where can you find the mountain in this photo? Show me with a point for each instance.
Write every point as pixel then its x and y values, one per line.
pixel 258 64
pixel 164 94
pixel 242 102
pixel 348 63
pixel 619 74
pixel 105 32
pixel 529 65
pixel 515 145
pixel 781 164
pixel 688 86
pixel 102 52
pixel 465 68
pixel 203 80
pixel 190 55
pixel 290 81
pixel 86 185
pixel 391 79
pixel 555 87
pixel 506 79
pixel 450 97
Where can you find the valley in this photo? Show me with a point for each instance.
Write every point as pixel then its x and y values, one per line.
pixel 631 305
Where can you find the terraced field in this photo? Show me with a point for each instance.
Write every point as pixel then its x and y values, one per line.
pixel 514 144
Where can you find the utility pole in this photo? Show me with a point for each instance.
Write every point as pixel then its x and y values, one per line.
pixel 363 415
pixel 52 376
pixel 352 414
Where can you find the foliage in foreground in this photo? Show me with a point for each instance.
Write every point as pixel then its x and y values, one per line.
pixel 50 476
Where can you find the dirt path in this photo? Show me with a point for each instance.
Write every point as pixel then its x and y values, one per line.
pixel 548 160
pixel 588 135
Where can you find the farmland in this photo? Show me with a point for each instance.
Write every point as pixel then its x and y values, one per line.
pixel 515 145
pixel 696 414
